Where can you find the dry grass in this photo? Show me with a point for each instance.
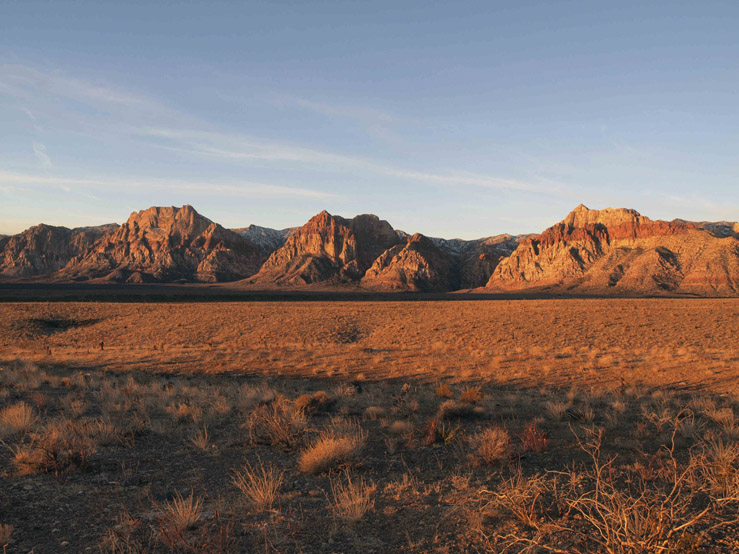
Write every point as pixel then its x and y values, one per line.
pixel 351 499
pixel 6 533
pixel 200 439
pixel 335 447
pixel 16 419
pixel 279 422
pixel 557 410
pixel 259 485
pixel 114 439
pixel 181 512
pixel 492 444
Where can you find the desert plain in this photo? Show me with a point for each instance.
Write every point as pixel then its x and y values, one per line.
pixel 530 425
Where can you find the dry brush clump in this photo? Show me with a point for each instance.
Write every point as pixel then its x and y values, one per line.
pixel 621 509
pixel 336 446
pixel 351 499
pixel 16 419
pixel 260 484
pixel 59 448
pixel 491 444
pixel 277 423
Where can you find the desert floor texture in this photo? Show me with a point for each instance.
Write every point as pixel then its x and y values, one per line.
pixel 551 425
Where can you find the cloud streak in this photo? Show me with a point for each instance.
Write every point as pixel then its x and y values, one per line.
pixel 244 149
pixel 175 131
pixel 246 189
pixel 39 150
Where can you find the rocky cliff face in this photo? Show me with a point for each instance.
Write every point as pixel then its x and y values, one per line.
pixel 168 244
pixel 416 265
pixel 621 251
pixel 328 249
pixel 44 249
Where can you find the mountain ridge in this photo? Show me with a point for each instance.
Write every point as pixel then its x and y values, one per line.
pixel 608 251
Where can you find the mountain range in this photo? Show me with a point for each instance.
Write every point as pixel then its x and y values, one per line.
pixel 610 251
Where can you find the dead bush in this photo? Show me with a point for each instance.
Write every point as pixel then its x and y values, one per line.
pixel 492 444
pixel 60 448
pixel 16 419
pixel 351 499
pixel 276 423
pixel 259 485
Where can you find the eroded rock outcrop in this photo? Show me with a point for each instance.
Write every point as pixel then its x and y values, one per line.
pixel 168 244
pixel 45 249
pixel 415 265
pixel 328 249
pixel 621 251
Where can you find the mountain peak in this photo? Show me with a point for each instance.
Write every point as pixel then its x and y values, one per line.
pixel 582 216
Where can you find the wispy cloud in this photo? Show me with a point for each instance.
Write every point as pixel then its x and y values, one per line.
pixel 39 150
pixel 358 113
pixel 147 120
pixel 18 80
pixel 244 149
pixel 242 189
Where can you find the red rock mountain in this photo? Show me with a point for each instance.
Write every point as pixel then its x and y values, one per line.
pixel 610 251
pixel 619 251
pixel 328 249
pixel 415 265
pixel 44 249
pixel 168 244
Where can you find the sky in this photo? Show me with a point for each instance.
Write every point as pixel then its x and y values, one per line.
pixel 453 119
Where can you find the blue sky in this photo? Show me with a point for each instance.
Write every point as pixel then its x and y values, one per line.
pixel 456 119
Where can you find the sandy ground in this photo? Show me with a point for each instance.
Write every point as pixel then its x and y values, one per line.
pixel 654 342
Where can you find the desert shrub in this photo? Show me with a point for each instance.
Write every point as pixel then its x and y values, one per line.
pixel 533 438
pixel 317 402
pixel 336 446
pixel 200 439
pixel 401 427
pixel 104 432
pixel 492 444
pixel 439 431
pixel 556 410
pixel 181 513
pixel 259 485
pixel 74 407
pixel 249 396
pixel 444 391
pixel 279 422
pixel 666 506
pixel 183 411
pixel 453 409
pixel 60 448
pixel 16 419
pixel 374 412
pixel 471 395
pixel 6 533
pixel 351 500
pixel 520 495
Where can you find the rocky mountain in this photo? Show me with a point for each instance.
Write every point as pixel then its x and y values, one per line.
pixel 328 249
pixel 610 251
pixel 44 249
pixel 477 259
pixel 720 229
pixel 417 264
pixel 267 239
pixel 620 251
pixel 167 244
